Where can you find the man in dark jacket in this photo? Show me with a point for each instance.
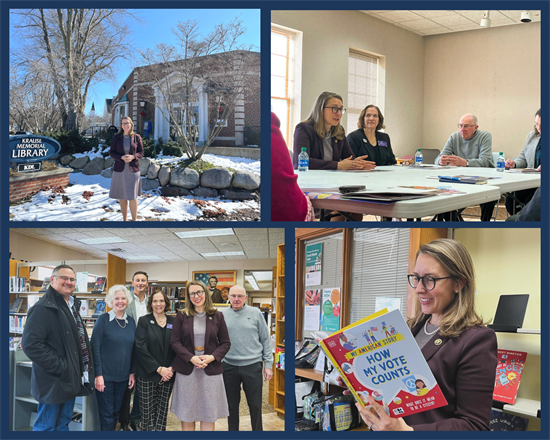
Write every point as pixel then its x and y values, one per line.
pixel 56 342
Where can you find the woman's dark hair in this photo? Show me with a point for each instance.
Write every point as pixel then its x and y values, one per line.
pixel 167 303
pixel 361 120
pixel 538 113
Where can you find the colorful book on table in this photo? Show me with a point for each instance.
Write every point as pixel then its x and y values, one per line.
pixel 378 356
pixel 508 375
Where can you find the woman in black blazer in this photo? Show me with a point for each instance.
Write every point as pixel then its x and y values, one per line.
pixel 369 141
pixel 154 358
pixel 126 150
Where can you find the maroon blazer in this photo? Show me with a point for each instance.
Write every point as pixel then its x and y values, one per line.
pixel 305 136
pixel 117 151
pixel 216 341
pixel 464 368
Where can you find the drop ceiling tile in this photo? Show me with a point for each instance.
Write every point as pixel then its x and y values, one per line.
pixel 431 14
pixel 452 20
pixel 418 25
pixel 398 16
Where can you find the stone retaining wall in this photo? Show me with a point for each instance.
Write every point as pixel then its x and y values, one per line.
pixel 30 183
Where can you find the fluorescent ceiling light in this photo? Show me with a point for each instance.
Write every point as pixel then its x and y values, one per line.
pixel 148 257
pixel 105 240
pixel 206 233
pixel 252 282
pixel 222 254
pixel 263 275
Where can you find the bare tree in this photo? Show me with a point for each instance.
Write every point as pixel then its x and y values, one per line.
pixel 214 66
pixel 80 47
pixel 33 104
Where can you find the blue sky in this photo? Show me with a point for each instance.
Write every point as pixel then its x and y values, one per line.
pixel 155 26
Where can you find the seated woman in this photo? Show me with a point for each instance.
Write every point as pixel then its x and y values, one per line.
pixel 288 202
pixel 528 158
pixel 324 138
pixel 369 141
pixel 460 350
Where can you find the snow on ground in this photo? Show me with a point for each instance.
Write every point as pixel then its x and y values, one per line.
pixel 44 207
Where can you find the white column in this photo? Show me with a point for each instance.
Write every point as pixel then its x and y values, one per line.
pixel 203 115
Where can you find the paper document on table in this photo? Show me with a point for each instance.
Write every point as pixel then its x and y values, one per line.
pixel 319 186
pixel 523 170
pixel 431 167
pixel 389 194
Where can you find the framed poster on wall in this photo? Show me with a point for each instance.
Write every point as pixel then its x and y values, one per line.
pixel 218 282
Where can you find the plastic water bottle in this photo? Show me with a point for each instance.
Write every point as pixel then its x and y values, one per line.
pixel 418 156
pixel 501 162
pixel 303 160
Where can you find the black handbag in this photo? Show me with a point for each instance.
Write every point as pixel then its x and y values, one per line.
pixel 307 356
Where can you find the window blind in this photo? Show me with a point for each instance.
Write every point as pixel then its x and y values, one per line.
pixel 379 269
pixel 362 86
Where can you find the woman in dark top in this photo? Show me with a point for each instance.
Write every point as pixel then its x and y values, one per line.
pixel 155 377
pixel 112 347
pixel 126 150
pixel 369 141
pixel 324 138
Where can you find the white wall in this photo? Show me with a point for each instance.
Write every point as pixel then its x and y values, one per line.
pixel 493 73
pixel 430 81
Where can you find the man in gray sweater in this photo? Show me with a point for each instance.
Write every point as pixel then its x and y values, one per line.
pixel 250 353
pixel 470 147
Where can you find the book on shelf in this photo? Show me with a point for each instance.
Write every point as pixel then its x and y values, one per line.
pixel 84 307
pixel 14 342
pixel 280 358
pixel 99 308
pixel 17 284
pixel 45 284
pixel 15 306
pixel 378 356
pixel 501 421
pixel 508 375
pixel 99 285
pixel 82 282
pixel 17 323
pixel 32 300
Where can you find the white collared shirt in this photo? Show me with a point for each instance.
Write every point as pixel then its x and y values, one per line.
pixel 113 316
pixel 141 307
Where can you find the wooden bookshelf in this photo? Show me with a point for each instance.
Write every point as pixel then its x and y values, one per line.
pixel 280 331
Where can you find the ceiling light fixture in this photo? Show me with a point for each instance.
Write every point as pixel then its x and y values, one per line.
pixel 206 233
pixel 144 257
pixel 104 240
pixel 486 20
pixel 222 254
pixel 252 281
pixel 526 17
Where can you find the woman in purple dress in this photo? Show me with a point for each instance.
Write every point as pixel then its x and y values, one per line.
pixel 126 150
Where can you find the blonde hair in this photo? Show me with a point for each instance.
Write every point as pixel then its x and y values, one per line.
pixel 208 304
pixel 114 289
pixel 460 314
pixel 316 118
pixel 121 131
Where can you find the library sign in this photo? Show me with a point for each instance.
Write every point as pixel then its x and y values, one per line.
pixel 29 151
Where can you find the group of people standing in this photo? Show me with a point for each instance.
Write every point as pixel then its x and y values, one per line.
pixel 200 357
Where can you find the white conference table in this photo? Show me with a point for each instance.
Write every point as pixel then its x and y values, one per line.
pixel 320 181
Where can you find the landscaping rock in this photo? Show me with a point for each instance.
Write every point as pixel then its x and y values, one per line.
pixel 217 177
pixel 205 192
pixel 148 184
pixel 164 176
pixel 184 178
pixel 238 194
pixel 144 166
pixel 245 180
pixel 173 191
pixel 66 160
pixel 153 171
pixel 108 173
pixel 109 162
pixel 94 167
pixel 79 163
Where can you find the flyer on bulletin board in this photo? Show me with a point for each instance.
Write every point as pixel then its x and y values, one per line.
pixel 313 264
pixel 330 321
pixel 312 309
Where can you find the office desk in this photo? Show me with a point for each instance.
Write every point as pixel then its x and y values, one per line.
pixel 315 181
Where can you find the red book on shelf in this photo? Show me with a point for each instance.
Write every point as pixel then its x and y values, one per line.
pixel 508 375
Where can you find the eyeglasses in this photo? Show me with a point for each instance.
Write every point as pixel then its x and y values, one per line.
pixel 198 293
pixel 337 109
pixel 237 296
pixel 427 280
pixel 66 279
pixel 464 126
pixel 126 123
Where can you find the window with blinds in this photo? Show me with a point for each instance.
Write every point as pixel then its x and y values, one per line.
pixel 331 266
pixel 281 78
pixel 380 259
pixel 363 85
